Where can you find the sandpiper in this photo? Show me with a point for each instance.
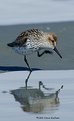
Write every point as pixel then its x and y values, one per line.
pixel 34 40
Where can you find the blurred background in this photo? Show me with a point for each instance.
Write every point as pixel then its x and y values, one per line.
pixel 47 15
pixel 35 11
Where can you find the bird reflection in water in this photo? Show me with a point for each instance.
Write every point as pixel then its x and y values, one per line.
pixel 35 100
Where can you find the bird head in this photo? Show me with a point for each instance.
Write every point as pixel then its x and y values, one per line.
pixel 52 39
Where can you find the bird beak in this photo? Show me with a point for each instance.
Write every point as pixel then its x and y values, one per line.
pixel 55 49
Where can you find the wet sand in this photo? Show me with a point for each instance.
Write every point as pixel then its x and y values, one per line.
pixel 65 33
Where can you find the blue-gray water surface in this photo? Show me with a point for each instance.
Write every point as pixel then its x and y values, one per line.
pixel 65 34
pixel 15 106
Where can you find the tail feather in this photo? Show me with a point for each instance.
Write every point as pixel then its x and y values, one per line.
pixel 13 44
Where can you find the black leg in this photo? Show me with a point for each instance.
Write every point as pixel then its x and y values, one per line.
pixel 27 79
pixel 45 52
pixel 25 59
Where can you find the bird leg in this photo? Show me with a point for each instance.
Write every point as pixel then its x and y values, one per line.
pixel 45 52
pixel 25 59
pixel 27 79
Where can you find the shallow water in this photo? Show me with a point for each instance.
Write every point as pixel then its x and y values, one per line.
pixel 10 109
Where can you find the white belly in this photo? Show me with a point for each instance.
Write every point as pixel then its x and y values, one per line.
pixel 24 51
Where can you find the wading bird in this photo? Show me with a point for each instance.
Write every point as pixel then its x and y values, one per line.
pixel 34 40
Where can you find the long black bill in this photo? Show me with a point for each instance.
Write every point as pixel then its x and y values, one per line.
pixel 55 49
